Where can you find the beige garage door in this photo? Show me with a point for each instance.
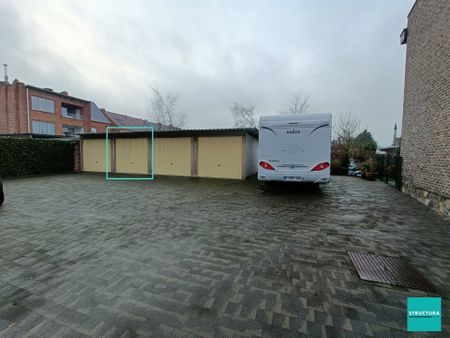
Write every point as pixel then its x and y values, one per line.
pixel 94 155
pixel 220 157
pixel 173 156
pixel 132 155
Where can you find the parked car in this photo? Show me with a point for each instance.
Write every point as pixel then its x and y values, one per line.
pixel 357 173
pixel 2 195
pixel 354 168
pixel 351 169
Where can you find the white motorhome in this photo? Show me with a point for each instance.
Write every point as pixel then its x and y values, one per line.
pixel 295 148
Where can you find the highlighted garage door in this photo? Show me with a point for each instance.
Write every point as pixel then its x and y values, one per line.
pixel 132 155
pixel 173 156
pixel 94 155
pixel 220 157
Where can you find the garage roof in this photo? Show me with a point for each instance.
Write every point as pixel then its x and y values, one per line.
pixel 176 133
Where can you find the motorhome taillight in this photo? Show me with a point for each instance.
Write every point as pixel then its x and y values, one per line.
pixel 321 166
pixel 266 165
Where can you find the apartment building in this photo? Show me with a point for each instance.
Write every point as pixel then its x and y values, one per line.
pixel 26 109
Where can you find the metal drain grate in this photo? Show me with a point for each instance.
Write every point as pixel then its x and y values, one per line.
pixel 389 270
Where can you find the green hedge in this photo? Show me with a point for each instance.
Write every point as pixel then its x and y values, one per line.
pixel 24 156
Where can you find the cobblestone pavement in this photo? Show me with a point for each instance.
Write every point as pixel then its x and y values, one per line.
pixel 81 256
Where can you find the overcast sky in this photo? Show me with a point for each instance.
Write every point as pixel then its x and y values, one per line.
pixel 345 54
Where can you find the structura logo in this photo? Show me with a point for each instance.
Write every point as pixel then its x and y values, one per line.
pixel 424 314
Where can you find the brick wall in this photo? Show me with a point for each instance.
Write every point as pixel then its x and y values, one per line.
pixel 426 110
pixel 13 110
pixel 101 127
pixel 77 157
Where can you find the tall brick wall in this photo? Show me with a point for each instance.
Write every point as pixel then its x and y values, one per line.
pixel 426 110
pixel 13 110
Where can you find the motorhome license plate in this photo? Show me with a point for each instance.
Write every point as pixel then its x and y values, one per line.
pixel 293 178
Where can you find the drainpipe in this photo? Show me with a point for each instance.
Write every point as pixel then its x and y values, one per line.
pixel 28 111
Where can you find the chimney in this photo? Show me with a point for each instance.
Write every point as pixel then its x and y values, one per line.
pixel 64 93
pixel 395 135
pixel 6 72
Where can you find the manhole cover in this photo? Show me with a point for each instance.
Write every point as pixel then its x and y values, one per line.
pixel 389 270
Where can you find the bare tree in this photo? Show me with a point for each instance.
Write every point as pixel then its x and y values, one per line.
pixel 346 128
pixel 297 104
pixel 164 109
pixel 244 116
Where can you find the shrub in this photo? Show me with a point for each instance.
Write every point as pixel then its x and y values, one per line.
pixel 369 166
pixel 23 156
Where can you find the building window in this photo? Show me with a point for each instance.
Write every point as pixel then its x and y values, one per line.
pixel 40 127
pixel 41 104
pixel 72 112
pixel 93 130
pixel 72 130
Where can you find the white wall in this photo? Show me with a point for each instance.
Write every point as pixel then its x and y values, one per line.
pixel 251 155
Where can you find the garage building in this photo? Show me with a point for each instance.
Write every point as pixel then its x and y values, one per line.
pixel 218 153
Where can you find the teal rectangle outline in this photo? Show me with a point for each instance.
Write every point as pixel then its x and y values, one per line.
pixel 428 323
pixel 130 178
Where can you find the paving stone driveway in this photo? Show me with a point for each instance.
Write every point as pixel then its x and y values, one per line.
pixel 80 256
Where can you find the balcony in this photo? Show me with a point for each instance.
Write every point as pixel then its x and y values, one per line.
pixel 72 112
